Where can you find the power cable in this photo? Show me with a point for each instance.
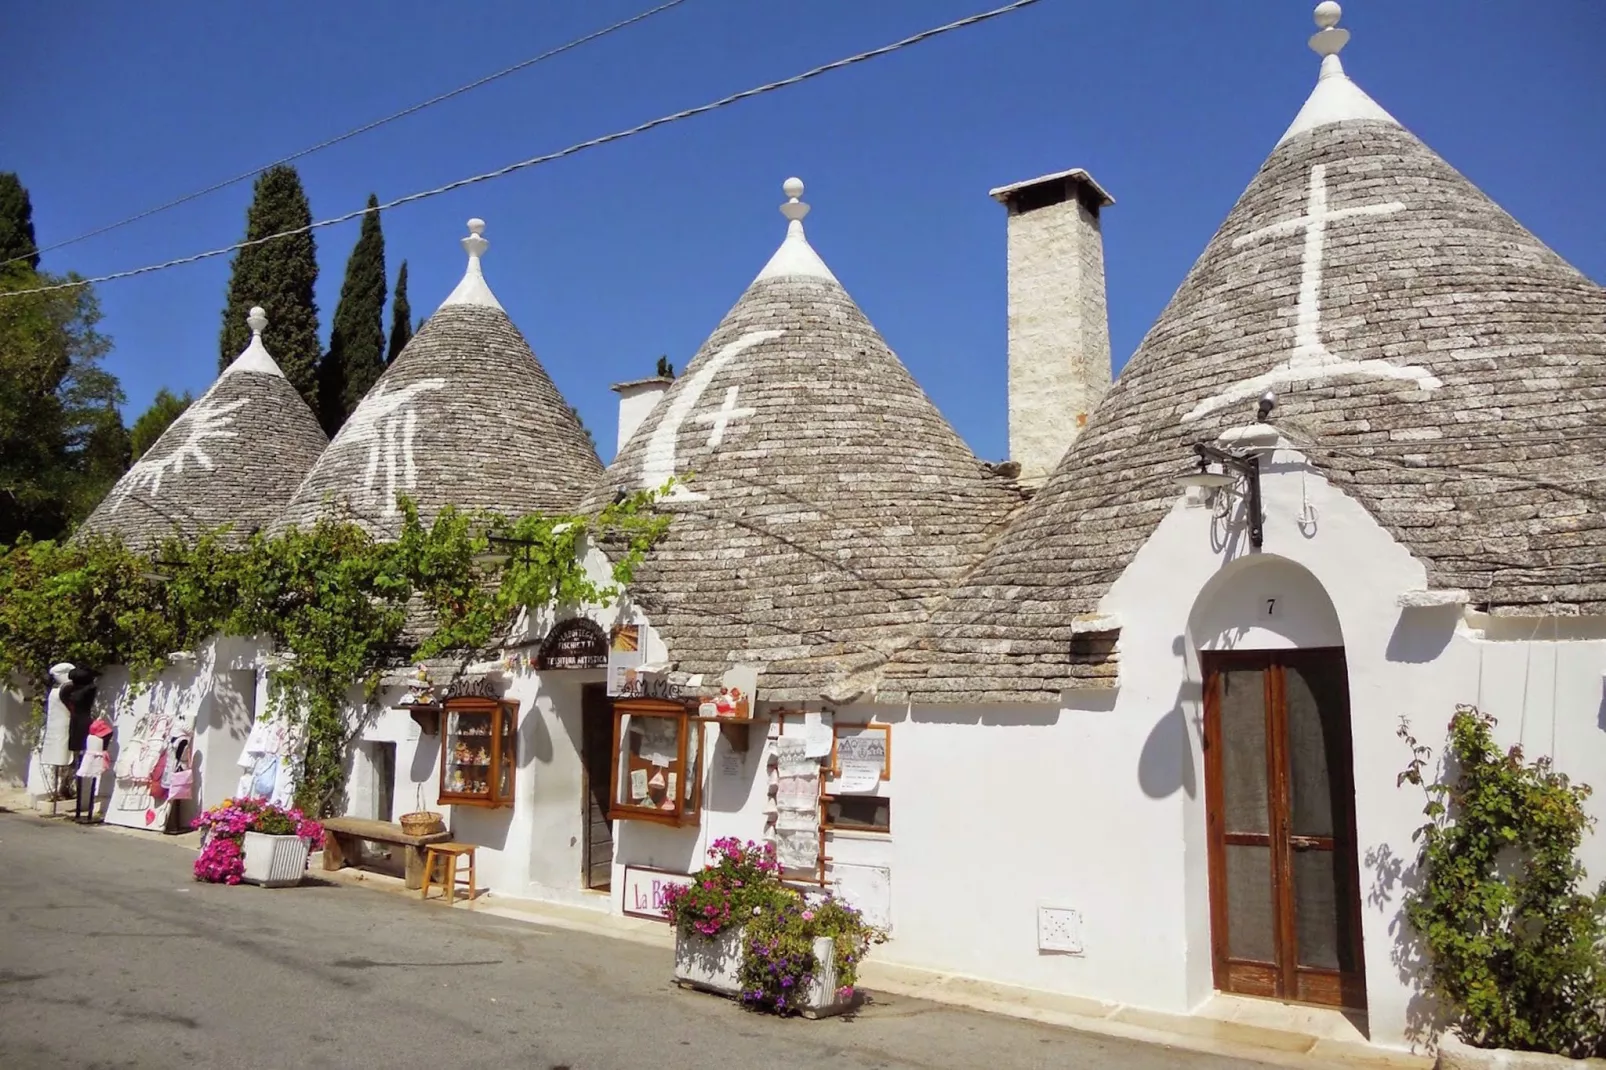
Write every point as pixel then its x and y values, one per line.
pixel 722 102
pixel 432 101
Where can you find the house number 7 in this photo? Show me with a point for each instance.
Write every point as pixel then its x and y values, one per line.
pixel 1271 607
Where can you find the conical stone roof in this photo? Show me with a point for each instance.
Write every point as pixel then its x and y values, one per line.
pixel 830 503
pixel 1429 356
pixel 465 416
pixel 234 457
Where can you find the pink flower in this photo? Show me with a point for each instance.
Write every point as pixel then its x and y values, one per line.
pixel 808 915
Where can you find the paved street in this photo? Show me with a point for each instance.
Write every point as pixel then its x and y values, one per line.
pixel 112 957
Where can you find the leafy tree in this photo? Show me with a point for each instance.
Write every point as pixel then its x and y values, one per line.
pixel 279 275
pixel 62 443
pixel 165 408
pixel 16 225
pixel 401 317
pixel 356 356
pixel 665 369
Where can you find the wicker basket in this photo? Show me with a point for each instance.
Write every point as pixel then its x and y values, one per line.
pixel 422 823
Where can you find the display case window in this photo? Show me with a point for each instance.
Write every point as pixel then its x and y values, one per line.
pixel 479 752
pixel 657 772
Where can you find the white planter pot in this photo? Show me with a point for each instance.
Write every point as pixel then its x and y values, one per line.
pixel 1456 1054
pixel 714 964
pixel 274 861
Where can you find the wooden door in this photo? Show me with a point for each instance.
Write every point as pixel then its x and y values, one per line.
pixel 596 747
pixel 1284 878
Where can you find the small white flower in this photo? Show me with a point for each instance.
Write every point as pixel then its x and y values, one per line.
pixel 757 911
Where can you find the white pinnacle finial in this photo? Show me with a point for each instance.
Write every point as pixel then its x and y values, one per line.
pixel 254 357
pixel 1329 39
pixel 473 290
pixel 795 256
pixel 794 209
pixel 475 244
pixel 1335 99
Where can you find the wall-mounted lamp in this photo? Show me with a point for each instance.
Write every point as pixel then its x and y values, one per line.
pixel 1235 466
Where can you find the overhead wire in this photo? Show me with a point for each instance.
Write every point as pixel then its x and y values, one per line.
pixel 534 161
pixel 348 135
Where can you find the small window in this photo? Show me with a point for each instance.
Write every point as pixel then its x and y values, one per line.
pixel 858 813
pixel 657 762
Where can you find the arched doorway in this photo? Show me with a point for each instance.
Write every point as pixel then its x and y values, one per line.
pixel 1285 904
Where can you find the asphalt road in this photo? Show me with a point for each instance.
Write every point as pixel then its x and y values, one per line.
pixel 112 957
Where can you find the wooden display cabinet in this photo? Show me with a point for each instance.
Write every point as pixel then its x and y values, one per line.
pixel 657 762
pixel 479 751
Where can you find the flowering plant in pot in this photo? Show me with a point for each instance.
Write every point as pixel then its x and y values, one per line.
pixel 741 931
pixel 253 839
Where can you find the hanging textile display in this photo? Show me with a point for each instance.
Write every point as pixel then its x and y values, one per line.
pixel 268 761
pixel 142 756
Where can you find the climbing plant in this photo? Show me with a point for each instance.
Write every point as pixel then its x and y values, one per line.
pixel 338 604
pixel 1515 947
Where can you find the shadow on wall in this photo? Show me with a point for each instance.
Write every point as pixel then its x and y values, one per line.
pixel 535 737
pixel 1421 634
pixel 1393 879
pixel 477 825
pixel 14 752
pixel 1167 763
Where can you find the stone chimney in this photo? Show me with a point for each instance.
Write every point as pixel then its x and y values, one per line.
pixel 1059 329
pixel 636 400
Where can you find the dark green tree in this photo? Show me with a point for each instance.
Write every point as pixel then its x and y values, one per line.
pixel 401 317
pixel 665 369
pixel 356 354
pixel 16 225
pixel 279 275
pixel 165 408
pixel 62 442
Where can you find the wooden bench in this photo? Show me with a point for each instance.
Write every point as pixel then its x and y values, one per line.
pixel 341 845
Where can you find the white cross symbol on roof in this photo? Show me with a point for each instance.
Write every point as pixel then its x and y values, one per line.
pixel 722 416
pixel 1310 359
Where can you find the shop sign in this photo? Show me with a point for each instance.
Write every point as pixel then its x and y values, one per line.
pixel 639 683
pixel 472 687
pixel 578 643
pixel 644 891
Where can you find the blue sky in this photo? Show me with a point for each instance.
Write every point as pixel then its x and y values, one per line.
pixel 609 258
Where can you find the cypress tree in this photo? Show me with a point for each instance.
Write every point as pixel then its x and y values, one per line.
pixel 16 224
pixel 356 354
pixel 401 317
pixel 278 275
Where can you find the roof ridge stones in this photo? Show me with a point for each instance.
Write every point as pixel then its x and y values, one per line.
pixel 829 504
pixel 465 416
pixel 233 458
pixel 1444 367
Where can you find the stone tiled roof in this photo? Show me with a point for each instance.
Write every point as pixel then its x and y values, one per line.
pixel 830 505
pixel 1444 368
pixel 465 416
pixel 234 457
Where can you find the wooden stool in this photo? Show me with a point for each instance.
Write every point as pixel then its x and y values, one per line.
pixel 447 855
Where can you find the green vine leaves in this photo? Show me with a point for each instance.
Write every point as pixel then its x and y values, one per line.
pixel 1513 944
pixel 338 604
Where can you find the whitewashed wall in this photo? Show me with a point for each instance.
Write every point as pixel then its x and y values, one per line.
pixel 14 750
pixel 1098 805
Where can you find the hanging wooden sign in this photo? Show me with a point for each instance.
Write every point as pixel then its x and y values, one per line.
pixel 577 643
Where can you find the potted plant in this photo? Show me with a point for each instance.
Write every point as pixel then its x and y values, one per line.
pixel 1514 944
pixel 254 840
pixel 742 933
